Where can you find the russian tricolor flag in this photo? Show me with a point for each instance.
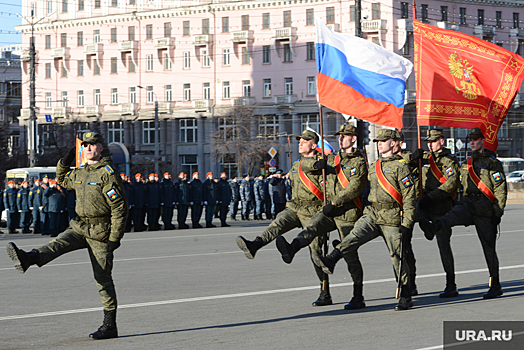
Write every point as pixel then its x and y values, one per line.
pixel 328 149
pixel 360 78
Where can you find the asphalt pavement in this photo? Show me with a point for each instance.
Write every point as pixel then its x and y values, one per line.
pixel 194 289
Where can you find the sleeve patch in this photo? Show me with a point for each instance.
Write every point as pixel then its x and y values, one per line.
pixel 78 182
pixel 497 177
pixel 406 181
pixel 402 161
pixel 112 194
pixel 109 170
pixel 68 173
pixel 94 183
pixel 450 172
pixel 353 172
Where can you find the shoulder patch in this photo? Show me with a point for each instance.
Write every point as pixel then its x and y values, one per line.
pixel 449 171
pixel 406 181
pixel 94 183
pixel 109 170
pixel 78 182
pixel 112 194
pixel 353 172
pixel 68 173
pixel 402 161
pixel 30 193
pixel 19 195
pixel 497 177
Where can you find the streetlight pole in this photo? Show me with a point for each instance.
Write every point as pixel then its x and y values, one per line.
pixel 156 129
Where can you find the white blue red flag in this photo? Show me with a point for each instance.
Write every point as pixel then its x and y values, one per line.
pixel 360 78
pixel 328 149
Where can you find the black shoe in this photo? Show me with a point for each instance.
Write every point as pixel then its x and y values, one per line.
pixel 108 328
pixel 405 303
pixel 357 302
pixel 493 292
pixel 21 259
pixel 182 225
pixel 209 224
pixel 287 250
pixel 224 224
pixel 26 230
pixel 196 225
pixel 450 292
pixel 428 228
pixel 323 299
pixel 13 231
pixel 328 262
pixel 413 290
pixel 249 247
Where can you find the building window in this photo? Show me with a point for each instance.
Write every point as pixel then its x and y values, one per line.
pixel 288 86
pixel 310 120
pixel 186 28
pixel 63 40
pixel 310 17
pixel 48 41
pixel 148 128
pixel 64 5
pixel 132 2
pixel 266 54
pixel 375 40
pixel 499 19
pixel 132 94
pixel 130 65
pixel 64 98
pixel 167 30
pixel 225 24
pixel 80 39
pixel 404 10
pixel 187 92
pixel 168 93
pixel 96 36
pixel 245 55
pixel 287 18
pixel 462 15
pixel 225 90
pixel 480 17
pixel 227 129
pixel 311 51
pixel 246 88
pixel 267 87
pixel 287 53
pixel 131 33
pixel 405 48
pixel 49 7
pixel 115 131
pixel 330 15
pixel 149 63
pixel 375 14
pixel 114 65
pixel 424 14
pixel 352 13
pixel 205 58
pixel 187 60
pixel 311 86
pixel 97 4
pixel 265 21
pixel 149 32
pixel 205 26
pixel 48 70
pixel 96 97
pixel 515 20
pixel 80 95
pixel 206 91
pixel 63 69
pixel 245 22
pixel 188 130
pixel 48 102
pixel 114 96
pixel 268 127
pixel 225 57
pixel 444 13
pixel 96 67
pixel 228 165
pixel 81 5
pixel 167 61
pixel 189 163
pixel 150 96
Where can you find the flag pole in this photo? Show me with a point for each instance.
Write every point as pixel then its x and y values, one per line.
pixel 289 152
pixel 325 279
pixel 419 141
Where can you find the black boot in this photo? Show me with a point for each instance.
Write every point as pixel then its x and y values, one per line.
pixel 250 247
pixel 287 250
pixel 324 298
pixel 224 224
pixel 182 225
pixel 357 302
pixel 405 302
pixel 21 259
pixel 450 291
pixel 209 224
pixel 495 290
pixel 328 262
pixel 196 225
pixel 233 217
pixel 268 216
pixel 108 328
pixel 413 286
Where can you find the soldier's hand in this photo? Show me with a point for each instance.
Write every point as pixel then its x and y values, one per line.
pixel 418 154
pixel 31 208
pixel 112 246
pixel 41 208
pixel 161 203
pixel 495 220
pixel 425 202
pixel 69 157
pixel 320 164
pixel 329 210
pixel 205 202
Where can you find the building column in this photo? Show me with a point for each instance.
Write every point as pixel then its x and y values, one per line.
pixel 128 133
pixel 174 147
pixel 137 125
pixel 200 145
pixel 103 129
pixel 210 131
pixel 162 139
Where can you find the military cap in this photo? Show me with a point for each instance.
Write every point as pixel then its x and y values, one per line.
pixel 279 171
pixel 210 173
pixel 246 174
pixel 92 137
pixel 222 174
pixel 167 174
pixel 46 177
pixel 400 135
pixel 308 135
pixel 138 175
pixel 151 175
pixel 434 134
pixel 181 174
pixel 52 182
pixel 195 173
pixel 38 180
pixel 385 134
pixel 347 129
pixel 11 182
pixel 476 133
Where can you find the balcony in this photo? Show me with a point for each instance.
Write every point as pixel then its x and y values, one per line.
pixel 126 108
pixel 93 49
pixel 93 111
pixel 25 113
pixel 405 25
pixel 242 36
pixel 25 56
pixel 516 33
pixel 164 43
pixel 334 27
pixel 285 100
pixel 128 46
pixel 166 107
pixel 202 39
pixel 60 52
pixel 448 25
pixel 373 25
pixel 243 101
pixel 202 103
pixel 410 96
pixel 286 33
pixel 482 31
pixel 61 111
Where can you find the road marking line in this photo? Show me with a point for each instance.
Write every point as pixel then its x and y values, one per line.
pixel 229 296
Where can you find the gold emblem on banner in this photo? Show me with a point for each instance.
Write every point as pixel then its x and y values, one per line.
pixel 463 78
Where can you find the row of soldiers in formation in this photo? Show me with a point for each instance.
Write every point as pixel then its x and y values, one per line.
pixel 364 202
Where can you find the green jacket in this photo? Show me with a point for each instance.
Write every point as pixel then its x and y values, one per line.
pixel 303 201
pixel 489 169
pixel 101 204
pixel 384 208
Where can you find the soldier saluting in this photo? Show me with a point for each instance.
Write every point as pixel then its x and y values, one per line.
pixel 102 212
pixel 482 205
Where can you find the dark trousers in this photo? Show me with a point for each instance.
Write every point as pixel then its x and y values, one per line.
pixel 152 218
pixel 182 213
pixel 223 213
pixel 279 207
pixel 12 222
pixel 196 212
pixel 137 217
pixel 54 223
pixel 37 220
pixel 233 209
pixel 25 219
pixel 210 212
pixel 167 215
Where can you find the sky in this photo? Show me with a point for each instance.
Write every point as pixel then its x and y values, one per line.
pixel 8 20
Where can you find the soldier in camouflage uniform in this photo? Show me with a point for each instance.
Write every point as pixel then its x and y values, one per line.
pixel 303 205
pixel 482 208
pixel 392 192
pixel 346 178
pixel 102 210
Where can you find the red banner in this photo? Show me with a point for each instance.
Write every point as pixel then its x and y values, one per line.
pixel 463 81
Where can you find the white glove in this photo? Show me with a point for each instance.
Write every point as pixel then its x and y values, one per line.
pixel 190 203
pixel 218 202
pixel 61 211
pixel 205 202
pixel 161 203
pixel 31 208
pixel 174 203
pixel 41 208
pixel 19 211
pixel 130 206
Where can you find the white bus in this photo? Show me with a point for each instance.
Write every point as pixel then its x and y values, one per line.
pixel 29 174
